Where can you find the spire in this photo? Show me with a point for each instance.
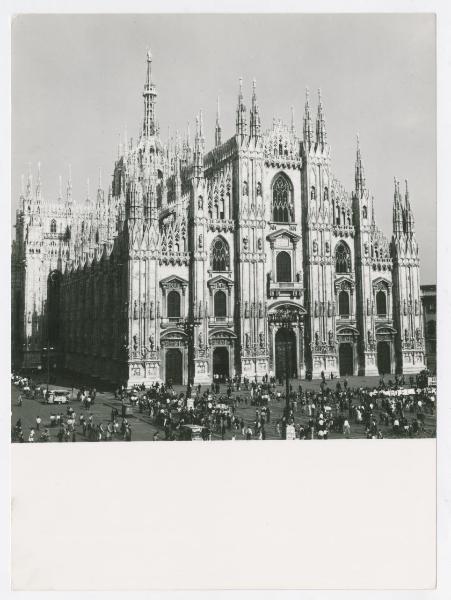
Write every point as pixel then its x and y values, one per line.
pixel 307 130
pixel 60 187
pixel 199 144
pixel 241 125
pixel 255 122
pixel 398 220
pixel 410 220
pixel 69 186
pixel 218 126
pixel 293 129
pixel 359 171
pixel 321 136
pixel 100 178
pixel 38 182
pixel 373 220
pixel 87 191
pixel 149 95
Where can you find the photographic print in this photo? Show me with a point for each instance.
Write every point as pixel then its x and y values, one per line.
pixel 224 228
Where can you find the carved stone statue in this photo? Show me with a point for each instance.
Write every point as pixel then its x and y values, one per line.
pixel 151 341
pixel 200 338
pixel 406 335
pixel 135 342
pixel 329 309
pixel 135 310
pixel 331 338
pixel 315 246
pixel 262 340
pixel 245 188
pixel 367 306
pixel 404 307
pixel 245 243
pixel 316 308
pixel 246 309
pixel 418 333
pixel 151 310
pixel 416 307
pixel 370 337
pixel 200 203
pixel 327 247
pixel 260 243
pixel 247 339
pixel 260 310
pixel 259 189
pixel 316 338
pixel 201 241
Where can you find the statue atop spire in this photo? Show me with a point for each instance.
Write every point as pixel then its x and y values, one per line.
pixel 149 95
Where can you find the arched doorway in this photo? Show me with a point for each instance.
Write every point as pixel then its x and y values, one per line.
pixel 221 362
pixel 285 353
pixel 346 358
pixel 174 369
pixel 383 358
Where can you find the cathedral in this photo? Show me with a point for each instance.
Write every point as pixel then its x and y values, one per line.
pixel 246 260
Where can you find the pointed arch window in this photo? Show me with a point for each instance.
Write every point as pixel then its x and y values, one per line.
pixel 342 258
pixel 220 255
pixel 53 226
pixel 281 200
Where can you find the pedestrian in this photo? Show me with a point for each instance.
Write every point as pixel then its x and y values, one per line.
pixel 31 435
pixel 38 422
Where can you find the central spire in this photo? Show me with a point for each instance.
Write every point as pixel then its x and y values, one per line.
pixel 321 136
pixel 241 125
pixel 149 95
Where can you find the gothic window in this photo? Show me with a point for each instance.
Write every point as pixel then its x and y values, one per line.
pixel 364 212
pixel 220 302
pixel 97 237
pixel 281 200
pixel 326 194
pixel 53 226
pixel 343 304
pixel 342 258
pixel 381 303
pixel 173 304
pixel 283 264
pixel 220 256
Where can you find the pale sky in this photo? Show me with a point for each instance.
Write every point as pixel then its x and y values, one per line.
pixel 77 84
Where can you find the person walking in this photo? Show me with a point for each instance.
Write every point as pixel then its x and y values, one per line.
pixel 31 435
pixel 38 423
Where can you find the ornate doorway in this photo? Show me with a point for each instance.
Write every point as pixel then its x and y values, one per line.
pixel 285 354
pixel 174 368
pixel 221 362
pixel 346 358
pixel 383 358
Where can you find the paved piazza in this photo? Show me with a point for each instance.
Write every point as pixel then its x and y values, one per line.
pixel 143 427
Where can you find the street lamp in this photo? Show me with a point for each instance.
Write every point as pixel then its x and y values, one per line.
pixel 48 349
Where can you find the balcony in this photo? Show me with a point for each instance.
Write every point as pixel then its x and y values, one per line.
pixel 294 289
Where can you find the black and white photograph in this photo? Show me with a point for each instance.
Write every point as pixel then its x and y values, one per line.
pixel 226 228
pixel 203 255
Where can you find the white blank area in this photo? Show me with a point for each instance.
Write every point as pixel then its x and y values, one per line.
pixel 358 514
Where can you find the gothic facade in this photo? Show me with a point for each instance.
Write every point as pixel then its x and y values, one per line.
pixel 248 259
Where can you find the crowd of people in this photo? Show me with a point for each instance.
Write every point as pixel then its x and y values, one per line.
pixel 335 410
